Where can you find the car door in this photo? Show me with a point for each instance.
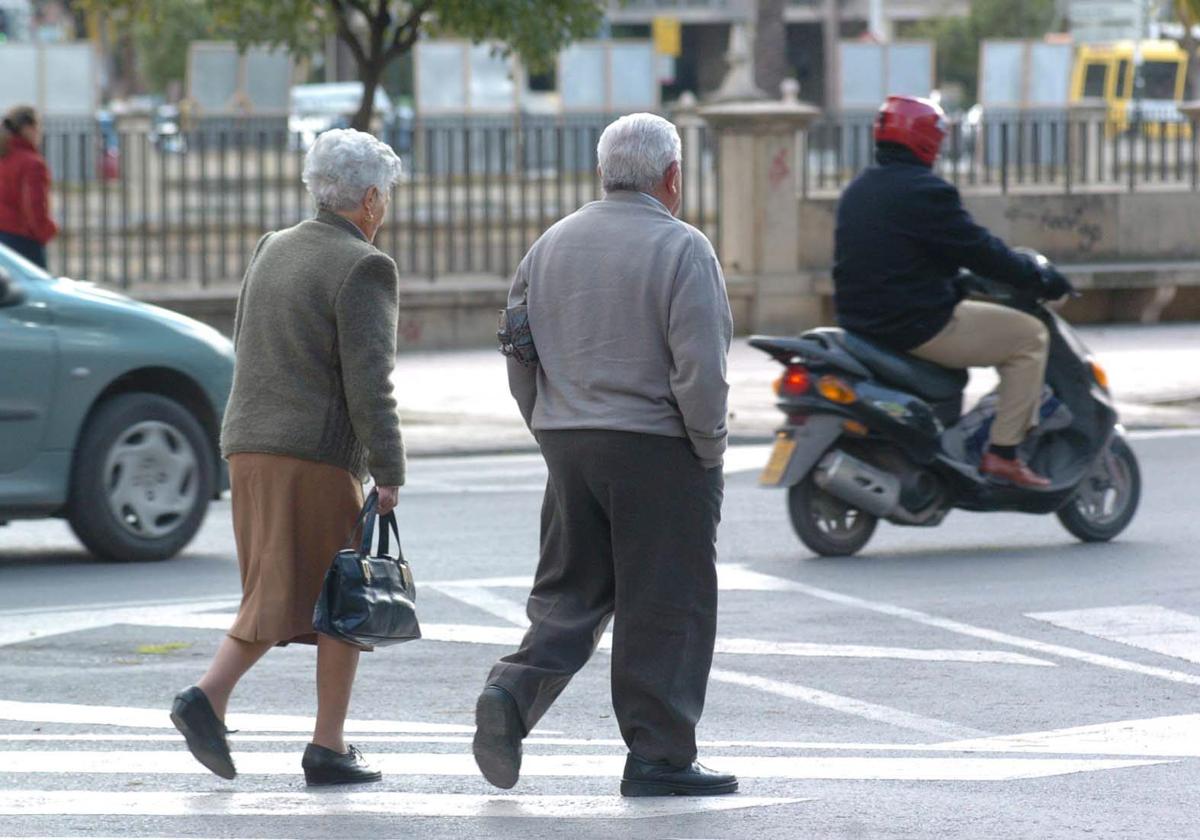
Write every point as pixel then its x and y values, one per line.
pixel 28 369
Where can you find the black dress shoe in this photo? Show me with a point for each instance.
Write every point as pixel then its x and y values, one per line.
pixel 498 734
pixel 194 717
pixel 655 778
pixel 325 767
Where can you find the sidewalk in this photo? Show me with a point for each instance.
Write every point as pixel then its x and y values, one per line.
pixel 457 402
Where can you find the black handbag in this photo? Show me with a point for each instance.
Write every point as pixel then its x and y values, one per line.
pixel 368 601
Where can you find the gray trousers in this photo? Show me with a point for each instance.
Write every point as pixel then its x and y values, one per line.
pixel 629 526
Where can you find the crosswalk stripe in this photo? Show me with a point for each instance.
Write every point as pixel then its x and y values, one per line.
pixel 755 580
pixel 338 803
pixel 1176 736
pixel 154 763
pixel 145 718
pixel 1146 626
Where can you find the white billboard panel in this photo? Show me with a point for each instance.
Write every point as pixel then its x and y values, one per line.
pixel 872 72
pixel 19 68
pixel 633 77
pixel 1101 21
pixel 57 79
pixel 1025 74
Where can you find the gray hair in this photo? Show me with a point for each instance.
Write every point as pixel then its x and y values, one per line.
pixel 343 164
pixel 635 151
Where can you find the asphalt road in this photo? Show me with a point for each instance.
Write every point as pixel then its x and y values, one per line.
pixel 990 678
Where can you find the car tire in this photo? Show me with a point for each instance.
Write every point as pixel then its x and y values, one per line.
pixel 143 477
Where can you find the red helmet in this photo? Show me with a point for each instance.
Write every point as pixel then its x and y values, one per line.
pixel 917 124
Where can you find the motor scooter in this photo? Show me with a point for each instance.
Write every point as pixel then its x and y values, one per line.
pixel 872 433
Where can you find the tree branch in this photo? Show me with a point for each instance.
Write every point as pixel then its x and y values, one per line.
pixel 342 14
pixel 406 33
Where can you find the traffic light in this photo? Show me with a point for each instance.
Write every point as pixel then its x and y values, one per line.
pixel 3 26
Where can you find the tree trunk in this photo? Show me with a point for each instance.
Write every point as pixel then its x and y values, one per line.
pixel 770 46
pixel 370 74
pixel 832 37
pixel 1190 44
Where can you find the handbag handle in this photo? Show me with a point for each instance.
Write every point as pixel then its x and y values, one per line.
pixel 366 522
pixel 387 522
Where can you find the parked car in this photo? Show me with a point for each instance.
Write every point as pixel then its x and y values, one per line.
pixel 110 411
pixel 317 108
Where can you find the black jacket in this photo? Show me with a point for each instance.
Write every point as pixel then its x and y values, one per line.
pixel 902 236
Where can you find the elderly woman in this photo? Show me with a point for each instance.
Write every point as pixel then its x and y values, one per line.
pixel 311 416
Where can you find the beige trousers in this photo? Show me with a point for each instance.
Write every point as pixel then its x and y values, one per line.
pixel 1015 344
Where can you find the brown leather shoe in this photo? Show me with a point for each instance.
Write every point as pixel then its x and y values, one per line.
pixel 1012 470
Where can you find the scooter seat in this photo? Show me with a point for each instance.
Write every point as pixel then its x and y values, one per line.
pixel 925 379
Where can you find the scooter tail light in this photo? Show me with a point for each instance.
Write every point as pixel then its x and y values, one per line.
pixel 836 390
pixel 1099 374
pixel 794 382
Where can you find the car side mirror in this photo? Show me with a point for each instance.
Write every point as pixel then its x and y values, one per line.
pixel 10 293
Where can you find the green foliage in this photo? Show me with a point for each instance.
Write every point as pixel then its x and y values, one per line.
pixel 958 38
pixel 162 35
pixel 376 31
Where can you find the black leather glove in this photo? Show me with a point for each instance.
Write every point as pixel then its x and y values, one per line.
pixel 1055 286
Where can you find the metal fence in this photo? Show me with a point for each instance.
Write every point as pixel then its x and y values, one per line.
pixel 1043 151
pixel 142 206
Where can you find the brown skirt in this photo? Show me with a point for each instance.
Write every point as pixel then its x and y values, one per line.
pixel 290 517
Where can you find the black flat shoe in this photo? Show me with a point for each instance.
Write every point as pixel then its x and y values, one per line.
pixel 651 778
pixel 498 734
pixel 326 767
pixel 204 732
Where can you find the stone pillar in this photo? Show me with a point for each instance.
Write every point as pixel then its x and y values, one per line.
pixel 759 147
pixel 1087 123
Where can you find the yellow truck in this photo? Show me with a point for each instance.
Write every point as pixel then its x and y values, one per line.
pixel 1105 71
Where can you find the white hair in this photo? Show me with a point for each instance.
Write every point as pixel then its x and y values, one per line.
pixel 635 152
pixel 343 164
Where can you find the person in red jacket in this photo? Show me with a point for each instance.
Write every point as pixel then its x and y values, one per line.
pixel 25 223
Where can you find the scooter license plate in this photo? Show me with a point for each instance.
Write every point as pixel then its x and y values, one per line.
pixel 777 464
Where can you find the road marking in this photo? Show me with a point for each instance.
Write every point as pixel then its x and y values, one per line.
pixel 479 594
pixel 1162 434
pixel 757 647
pixel 1146 626
pixel 485 600
pixel 1170 736
pixel 749 579
pixel 488 601
pixel 845 705
pixel 179 762
pixel 142 718
pixel 1176 736
pixel 32 626
pixel 339 803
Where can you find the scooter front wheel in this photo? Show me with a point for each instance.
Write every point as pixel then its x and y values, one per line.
pixel 1108 498
pixel 826 524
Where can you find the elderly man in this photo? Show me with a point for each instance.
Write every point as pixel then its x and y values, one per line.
pixel 627 397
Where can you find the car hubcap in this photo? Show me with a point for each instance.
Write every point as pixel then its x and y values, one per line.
pixel 1105 493
pixel 151 479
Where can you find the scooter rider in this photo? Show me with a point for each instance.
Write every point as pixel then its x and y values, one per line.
pixel 902 235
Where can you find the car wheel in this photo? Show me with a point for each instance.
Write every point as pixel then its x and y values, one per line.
pixel 143 477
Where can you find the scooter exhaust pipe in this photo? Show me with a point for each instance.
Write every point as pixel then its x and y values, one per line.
pixel 857 483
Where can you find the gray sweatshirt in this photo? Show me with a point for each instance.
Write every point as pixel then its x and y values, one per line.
pixel 630 317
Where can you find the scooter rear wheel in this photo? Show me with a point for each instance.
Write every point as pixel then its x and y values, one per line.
pixel 826 524
pixel 1107 499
